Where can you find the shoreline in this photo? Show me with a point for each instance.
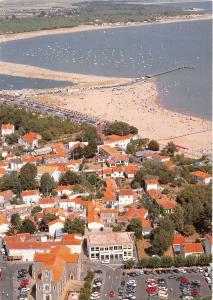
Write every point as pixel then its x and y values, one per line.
pixel 83 28
pixel 137 104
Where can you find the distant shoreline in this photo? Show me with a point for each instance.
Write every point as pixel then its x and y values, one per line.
pixel 81 28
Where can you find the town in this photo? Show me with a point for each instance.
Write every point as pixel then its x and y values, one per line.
pixel 99 212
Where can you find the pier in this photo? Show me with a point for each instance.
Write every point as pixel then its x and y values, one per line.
pixel 169 71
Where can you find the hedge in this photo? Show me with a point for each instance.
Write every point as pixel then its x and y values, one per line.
pixel 86 290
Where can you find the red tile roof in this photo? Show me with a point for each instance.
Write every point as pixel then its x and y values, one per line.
pixel 29 193
pixel 193 248
pixel 126 192
pixel 178 239
pixel 151 181
pixel 201 174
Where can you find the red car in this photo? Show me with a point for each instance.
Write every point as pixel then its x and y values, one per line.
pixel 112 294
pixel 24 282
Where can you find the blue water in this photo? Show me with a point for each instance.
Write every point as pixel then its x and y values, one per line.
pixel 132 52
pixel 18 83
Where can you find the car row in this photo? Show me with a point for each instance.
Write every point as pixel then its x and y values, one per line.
pixel 96 288
pixel 24 282
pixel 129 292
pixel 189 290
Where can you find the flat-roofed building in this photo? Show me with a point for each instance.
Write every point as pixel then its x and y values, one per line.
pixel 107 245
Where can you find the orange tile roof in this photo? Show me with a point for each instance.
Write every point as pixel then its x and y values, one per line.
pixel 3 219
pixel 193 248
pixel 110 183
pixel 201 174
pixel 30 159
pixel 3 171
pixel 134 213
pixel 146 223
pixel 121 157
pixel 162 200
pixel 115 138
pixel 131 169
pixel 56 260
pixel 108 149
pixel 178 239
pixel 47 201
pixel 46 169
pixel 29 193
pixel 126 192
pixel 109 196
pixel 55 222
pixel 62 187
pixel 30 137
pixel 7 126
pixel 118 169
pixel 109 211
pixel 105 172
pixel 151 181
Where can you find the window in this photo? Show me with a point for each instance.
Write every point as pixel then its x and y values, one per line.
pixel 46 287
pixel 110 248
pixel 106 248
pixel 46 273
pixel 115 247
pixel 92 255
pixel 47 297
pixel 54 287
pixel 92 249
pixel 97 248
pixel 102 249
pixel 120 247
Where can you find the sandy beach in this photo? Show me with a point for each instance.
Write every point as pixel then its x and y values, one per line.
pixel 137 104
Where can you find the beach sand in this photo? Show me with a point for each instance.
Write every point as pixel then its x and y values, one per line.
pixel 138 105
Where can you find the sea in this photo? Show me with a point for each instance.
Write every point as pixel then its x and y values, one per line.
pixel 129 52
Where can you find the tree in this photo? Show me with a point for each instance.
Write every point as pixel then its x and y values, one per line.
pixel 12 138
pixel 27 226
pixel 69 178
pixel 43 226
pixel 35 210
pixel 136 227
pixel 92 179
pixel 117 228
pixel 178 218
pixel 129 264
pixel 27 176
pixel 188 230
pixel 153 145
pixel 10 182
pixel 47 183
pixel 89 134
pixel 166 261
pixel 119 128
pixel 74 226
pixel 153 262
pixel 179 261
pixel 90 150
pixel 170 149
pixel 191 260
pixel 162 239
pixel 15 220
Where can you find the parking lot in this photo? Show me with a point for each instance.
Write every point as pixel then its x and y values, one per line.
pixel 112 277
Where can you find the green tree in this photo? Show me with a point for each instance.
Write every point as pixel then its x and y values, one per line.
pixel 27 176
pixel 92 179
pixel 90 150
pixel 136 227
pixel 170 149
pixel 69 178
pixel 191 260
pixel 12 138
pixel 117 228
pixel 119 128
pixel 153 262
pixel 47 183
pixel 178 218
pixel 153 145
pixel 43 226
pixel 166 261
pixel 10 182
pixel 15 220
pixel 74 226
pixel 35 210
pixel 179 261
pixel 162 239
pixel 27 226
pixel 129 264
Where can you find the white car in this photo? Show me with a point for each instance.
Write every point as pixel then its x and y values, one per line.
pixel 25 290
pixel 208 279
pixel 131 281
pixel 182 270
pixel 94 297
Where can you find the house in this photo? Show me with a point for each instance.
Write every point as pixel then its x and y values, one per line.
pixel 178 241
pixel 151 184
pixel 53 270
pixel 5 198
pixel 118 141
pixel 7 129
pixel 125 198
pixel 2 172
pixel 54 226
pixel 16 164
pixel 146 227
pixel 165 203
pixel 107 245
pixel 130 171
pixel 47 202
pixel 109 199
pixel 4 224
pixel 30 196
pixel 191 249
pixel 208 244
pixel 107 151
pixel 108 216
pixel 105 173
pixel 120 159
pixel 93 217
pixel 118 172
pixel 52 170
pixel 30 140
pixel 74 164
pixel 64 190
pixel 202 177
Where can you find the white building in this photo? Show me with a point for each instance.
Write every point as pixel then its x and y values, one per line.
pixel 202 177
pixel 119 141
pixel 30 196
pixel 64 190
pixel 191 249
pixel 107 245
pixel 54 226
pixel 30 140
pixel 7 129
pixel 126 197
pixel 151 184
